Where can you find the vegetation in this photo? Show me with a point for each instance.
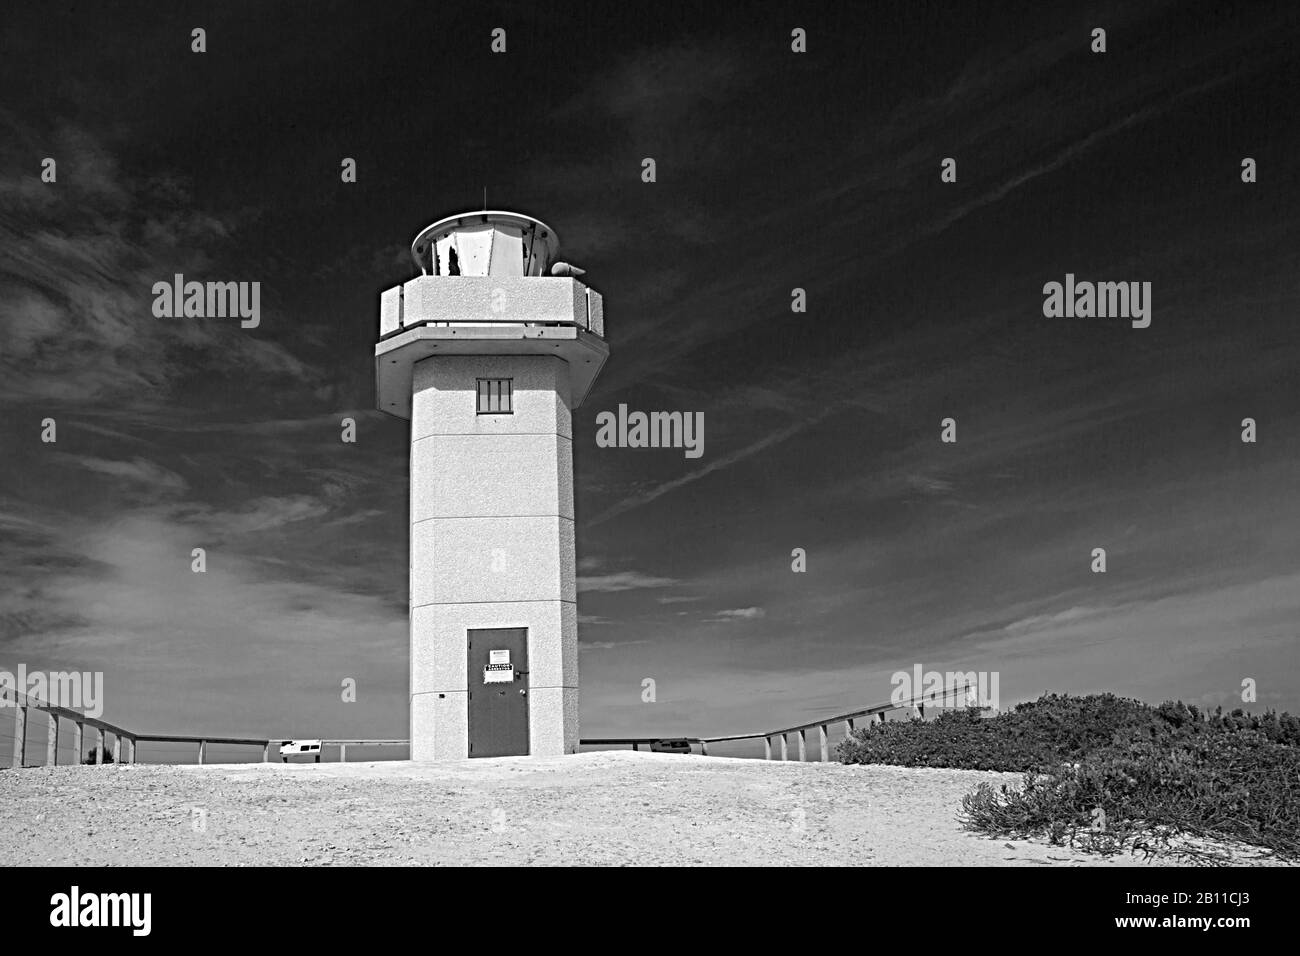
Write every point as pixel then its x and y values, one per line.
pixel 90 757
pixel 1109 774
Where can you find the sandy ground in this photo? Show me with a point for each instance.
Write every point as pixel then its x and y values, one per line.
pixel 606 808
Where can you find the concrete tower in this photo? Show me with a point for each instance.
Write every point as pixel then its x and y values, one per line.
pixel 487 354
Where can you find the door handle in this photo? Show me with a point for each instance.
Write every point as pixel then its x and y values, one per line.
pixel 523 693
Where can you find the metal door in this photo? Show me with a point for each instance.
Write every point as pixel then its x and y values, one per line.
pixel 498 692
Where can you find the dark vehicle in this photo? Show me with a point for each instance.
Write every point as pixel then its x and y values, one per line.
pixel 670 746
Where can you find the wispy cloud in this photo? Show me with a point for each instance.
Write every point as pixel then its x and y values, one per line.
pixel 78 259
pixel 177 645
pixel 725 461
pixel 623 581
pixel 150 477
pixel 606 645
pixel 739 614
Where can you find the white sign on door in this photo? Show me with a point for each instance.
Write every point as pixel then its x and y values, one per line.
pixel 498 657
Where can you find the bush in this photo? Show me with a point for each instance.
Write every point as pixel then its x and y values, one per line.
pixel 1106 773
pixel 90 757
pixel 1036 735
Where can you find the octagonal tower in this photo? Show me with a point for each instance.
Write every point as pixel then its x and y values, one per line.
pixel 487 354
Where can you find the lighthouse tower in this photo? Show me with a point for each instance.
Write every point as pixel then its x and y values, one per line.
pixel 487 354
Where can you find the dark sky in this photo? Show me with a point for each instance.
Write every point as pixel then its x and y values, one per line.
pixel 775 171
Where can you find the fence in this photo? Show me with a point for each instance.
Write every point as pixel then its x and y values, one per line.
pixel 872 714
pixel 125 742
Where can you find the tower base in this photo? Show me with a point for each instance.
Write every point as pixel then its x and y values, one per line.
pixel 494 637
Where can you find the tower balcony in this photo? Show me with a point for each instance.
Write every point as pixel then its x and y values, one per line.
pixel 486 315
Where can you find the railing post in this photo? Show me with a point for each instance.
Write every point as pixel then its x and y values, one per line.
pixel 20 735
pixel 803 744
pixel 266 752
pixel 78 737
pixel 130 750
pixel 635 745
pixel 784 754
pixel 203 747
pixel 821 735
pixel 99 745
pixel 704 748
pixel 52 741
pixel 117 748
pixel 767 748
pixel 343 753
pixel 848 727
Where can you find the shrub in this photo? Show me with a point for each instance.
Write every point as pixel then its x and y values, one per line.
pixel 90 757
pixel 1106 773
pixel 1035 735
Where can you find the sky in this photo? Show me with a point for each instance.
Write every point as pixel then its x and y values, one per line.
pixel 775 171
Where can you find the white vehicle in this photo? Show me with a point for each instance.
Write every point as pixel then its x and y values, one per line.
pixel 290 747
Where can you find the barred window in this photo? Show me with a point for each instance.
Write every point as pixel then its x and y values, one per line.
pixel 494 396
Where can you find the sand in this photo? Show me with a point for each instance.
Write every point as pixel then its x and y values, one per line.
pixel 609 808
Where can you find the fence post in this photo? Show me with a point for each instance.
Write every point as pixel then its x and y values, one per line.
pixel 117 748
pixel 803 744
pixel 266 752
pixel 343 753
pixel 130 750
pixel 704 748
pixel 78 737
pixel 635 746
pixel 203 746
pixel 784 754
pixel 821 734
pixel 99 745
pixel 52 741
pixel 767 748
pixel 20 735
pixel 848 727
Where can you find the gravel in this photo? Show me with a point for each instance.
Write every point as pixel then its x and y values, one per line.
pixel 607 808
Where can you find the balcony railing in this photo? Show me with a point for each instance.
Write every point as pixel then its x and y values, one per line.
pixel 488 301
